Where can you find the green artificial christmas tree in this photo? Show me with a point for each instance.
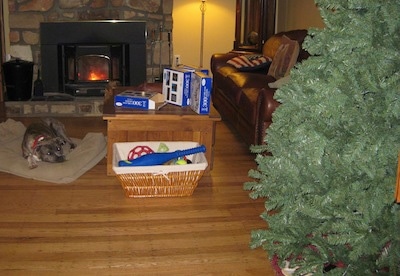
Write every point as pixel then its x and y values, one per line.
pixel 329 182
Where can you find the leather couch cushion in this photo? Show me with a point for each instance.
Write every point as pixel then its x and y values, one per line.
pixel 250 80
pixel 225 84
pixel 226 70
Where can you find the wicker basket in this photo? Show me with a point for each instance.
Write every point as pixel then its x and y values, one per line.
pixel 159 181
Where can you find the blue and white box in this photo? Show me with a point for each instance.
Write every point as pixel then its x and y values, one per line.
pixel 176 86
pixel 200 93
pixel 138 99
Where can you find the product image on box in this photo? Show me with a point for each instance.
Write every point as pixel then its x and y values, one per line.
pixel 138 99
pixel 176 86
pixel 200 95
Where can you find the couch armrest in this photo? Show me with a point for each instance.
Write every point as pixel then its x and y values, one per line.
pixel 267 105
pixel 218 60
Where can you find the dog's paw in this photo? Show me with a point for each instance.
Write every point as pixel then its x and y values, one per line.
pixel 32 162
pixel 33 166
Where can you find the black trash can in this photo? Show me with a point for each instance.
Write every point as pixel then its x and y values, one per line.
pixel 18 79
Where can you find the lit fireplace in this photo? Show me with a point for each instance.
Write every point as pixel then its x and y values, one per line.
pixel 88 68
pixel 80 58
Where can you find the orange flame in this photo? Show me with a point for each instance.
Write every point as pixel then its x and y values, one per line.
pixel 94 76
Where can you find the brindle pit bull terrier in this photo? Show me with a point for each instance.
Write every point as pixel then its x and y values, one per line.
pixel 44 141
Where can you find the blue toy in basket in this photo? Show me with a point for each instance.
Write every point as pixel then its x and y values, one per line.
pixel 159 158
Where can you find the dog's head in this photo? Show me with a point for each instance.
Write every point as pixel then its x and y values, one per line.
pixel 50 150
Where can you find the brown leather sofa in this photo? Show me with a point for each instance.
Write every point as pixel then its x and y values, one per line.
pixel 244 99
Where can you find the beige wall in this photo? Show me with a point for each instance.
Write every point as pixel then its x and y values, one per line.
pixel 219 29
pixel 220 25
pixel 297 14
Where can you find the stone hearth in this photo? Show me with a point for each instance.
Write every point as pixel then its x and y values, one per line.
pixel 53 106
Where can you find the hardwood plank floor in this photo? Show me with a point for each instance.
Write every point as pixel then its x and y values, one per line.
pixel 89 227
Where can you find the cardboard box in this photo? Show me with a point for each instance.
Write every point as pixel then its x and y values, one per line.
pixel 193 68
pixel 200 96
pixel 176 86
pixel 138 99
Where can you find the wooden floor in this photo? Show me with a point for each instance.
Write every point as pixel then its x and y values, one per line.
pixel 88 227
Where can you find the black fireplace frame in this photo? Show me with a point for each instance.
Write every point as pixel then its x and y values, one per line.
pixel 53 34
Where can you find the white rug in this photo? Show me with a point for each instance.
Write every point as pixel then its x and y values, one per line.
pixel 89 151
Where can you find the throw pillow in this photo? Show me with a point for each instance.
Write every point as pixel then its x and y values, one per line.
pixel 271 46
pixel 249 62
pixel 279 83
pixel 285 58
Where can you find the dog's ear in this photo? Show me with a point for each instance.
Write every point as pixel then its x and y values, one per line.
pixel 51 126
pixel 60 141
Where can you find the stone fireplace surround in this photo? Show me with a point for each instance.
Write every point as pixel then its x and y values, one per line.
pixel 24 21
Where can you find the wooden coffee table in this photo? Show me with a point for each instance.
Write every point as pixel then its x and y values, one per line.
pixel 170 123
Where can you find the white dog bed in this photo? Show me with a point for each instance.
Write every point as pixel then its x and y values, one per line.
pixel 89 151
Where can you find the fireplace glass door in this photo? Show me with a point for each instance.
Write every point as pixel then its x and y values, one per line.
pixel 91 68
pixel 86 69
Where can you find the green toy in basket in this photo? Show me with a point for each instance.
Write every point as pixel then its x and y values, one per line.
pixel 159 158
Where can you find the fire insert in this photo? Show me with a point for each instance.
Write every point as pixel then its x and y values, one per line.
pixel 120 40
pixel 86 69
